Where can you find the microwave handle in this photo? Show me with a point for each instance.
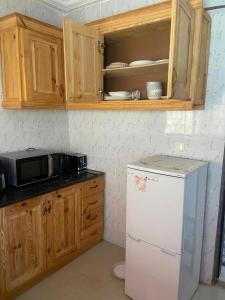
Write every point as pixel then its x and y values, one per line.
pixel 50 165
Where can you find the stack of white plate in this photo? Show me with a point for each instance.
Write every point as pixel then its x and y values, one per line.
pixel 120 95
pixel 141 62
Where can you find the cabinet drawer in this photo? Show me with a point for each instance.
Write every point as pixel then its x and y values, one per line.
pixel 92 217
pixel 91 235
pixel 94 186
pixel 92 202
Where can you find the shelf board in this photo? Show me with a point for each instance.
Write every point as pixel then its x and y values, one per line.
pixel 170 105
pixel 136 70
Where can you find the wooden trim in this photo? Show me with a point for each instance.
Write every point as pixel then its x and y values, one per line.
pixel 146 15
pixel 171 105
pixel 32 105
pixel 19 20
pixel 134 105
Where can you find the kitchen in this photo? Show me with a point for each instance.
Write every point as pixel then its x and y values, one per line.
pixel 112 139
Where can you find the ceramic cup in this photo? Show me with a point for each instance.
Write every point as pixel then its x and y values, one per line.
pixel 154 90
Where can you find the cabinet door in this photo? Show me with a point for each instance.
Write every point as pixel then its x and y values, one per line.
pixel 63 224
pixel 181 46
pixel 83 62
pixel 200 56
pixel 24 235
pixel 10 60
pixel 42 67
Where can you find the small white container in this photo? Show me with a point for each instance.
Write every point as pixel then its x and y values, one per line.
pixel 154 90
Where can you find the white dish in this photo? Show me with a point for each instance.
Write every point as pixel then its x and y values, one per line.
pixel 166 60
pixel 118 270
pixel 119 94
pixel 164 97
pixel 141 62
pixel 114 98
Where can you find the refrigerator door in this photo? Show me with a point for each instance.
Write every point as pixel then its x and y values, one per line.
pixel 155 209
pixel 151 273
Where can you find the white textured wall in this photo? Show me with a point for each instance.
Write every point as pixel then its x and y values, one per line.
pixel 20 129
pixel 113 138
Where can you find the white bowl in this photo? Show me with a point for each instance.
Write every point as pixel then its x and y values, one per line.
pixel 119 94
pixel 141 62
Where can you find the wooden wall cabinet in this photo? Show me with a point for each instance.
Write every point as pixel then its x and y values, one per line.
pixel 177 30
pixel 32 63
pixel 40 235
pixel 33 60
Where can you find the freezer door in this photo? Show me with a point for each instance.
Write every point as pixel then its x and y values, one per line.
pixel 151 273
pixel 155 208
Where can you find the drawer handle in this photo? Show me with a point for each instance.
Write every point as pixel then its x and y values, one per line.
pixel 94 186
pixel 92 218
pixel 93 202
pixel 94 232
pixel 133 238
pixel 168 252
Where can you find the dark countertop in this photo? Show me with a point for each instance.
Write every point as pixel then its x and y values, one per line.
pixel 12 195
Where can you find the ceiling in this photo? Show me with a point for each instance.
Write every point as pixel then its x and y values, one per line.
pixel 66 5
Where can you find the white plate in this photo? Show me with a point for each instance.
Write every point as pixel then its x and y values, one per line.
pixel 166 60
pixel 118 270
pixel 114 98
pixel 141 62
pixel 119 94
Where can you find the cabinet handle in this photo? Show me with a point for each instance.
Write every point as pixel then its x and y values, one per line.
pixel 92 218
pixel 44 210
pixel 94 186
pixel 168 252
pixel 133 238
pixel 93 202
pixel 94 232
pixel 61 90
pixel 49 208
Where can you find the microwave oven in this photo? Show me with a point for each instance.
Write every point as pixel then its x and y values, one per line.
pixel 29 166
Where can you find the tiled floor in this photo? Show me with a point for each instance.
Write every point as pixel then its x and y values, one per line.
pixel 89 278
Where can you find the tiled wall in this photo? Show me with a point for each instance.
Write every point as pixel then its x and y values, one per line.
pixel 113 138
pixel 22 129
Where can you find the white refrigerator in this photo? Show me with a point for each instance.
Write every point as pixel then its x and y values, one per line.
pixel 164 227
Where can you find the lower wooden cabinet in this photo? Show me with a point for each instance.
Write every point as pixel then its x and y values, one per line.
pixel 24 242
pixel 63 223
pixel 39 235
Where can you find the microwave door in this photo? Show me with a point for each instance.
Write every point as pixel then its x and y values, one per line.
pixel 32 169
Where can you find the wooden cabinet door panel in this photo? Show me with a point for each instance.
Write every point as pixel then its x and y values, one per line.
pixel 63 223
pixel 83 62
pixel 181 47
pixel 10 59
pixel 23 226
pixel 43 67
pixel 200 56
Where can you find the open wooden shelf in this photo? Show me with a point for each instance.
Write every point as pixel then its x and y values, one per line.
pixel 170 104
pixel 136 70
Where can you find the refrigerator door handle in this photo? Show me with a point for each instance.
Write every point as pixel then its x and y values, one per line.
pixel 168 252
pixel 133 238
